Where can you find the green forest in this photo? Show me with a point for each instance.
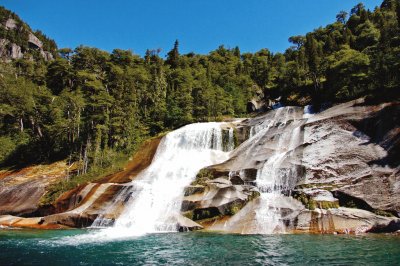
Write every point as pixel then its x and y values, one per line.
pixel 95 107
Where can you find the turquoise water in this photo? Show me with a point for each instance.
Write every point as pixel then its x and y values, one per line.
pixel 21 247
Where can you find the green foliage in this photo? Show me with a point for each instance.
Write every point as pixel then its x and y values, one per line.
pixel 350 58
pixel 114 162
pixel 347 74
pixel 59 76
pixel 8 146
pixel 173 56
pixel 367 35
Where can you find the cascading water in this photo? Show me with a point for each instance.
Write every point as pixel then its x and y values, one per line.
pixel 277 176
pixel 231 142
pixel 155 196
pixel 153 200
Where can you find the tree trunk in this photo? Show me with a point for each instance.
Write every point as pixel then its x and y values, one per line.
pixel 39 130
pixel 21 125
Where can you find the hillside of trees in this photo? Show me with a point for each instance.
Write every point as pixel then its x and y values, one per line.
pixel 91 106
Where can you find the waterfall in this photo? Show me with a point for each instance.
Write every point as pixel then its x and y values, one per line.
pixel 155 196
pixel 277 176
pixel 151 203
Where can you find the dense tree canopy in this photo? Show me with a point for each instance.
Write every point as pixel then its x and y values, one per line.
pixel 88 104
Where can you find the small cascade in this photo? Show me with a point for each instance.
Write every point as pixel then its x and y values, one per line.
pixel 153 199
pixel 265 125
pixel 231 141
pixel 217 142
pixel 104 220
pixel 277 176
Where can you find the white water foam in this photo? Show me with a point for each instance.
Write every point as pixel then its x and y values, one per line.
pixel 155 195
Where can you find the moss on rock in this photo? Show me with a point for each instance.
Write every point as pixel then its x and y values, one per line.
pixel 226 139
pixel 191 190
pixel 205 213
pixel 383 213
pixel 234 207
pixel 202 176
pixel 188 214
pixel 327 204
pixel 312 204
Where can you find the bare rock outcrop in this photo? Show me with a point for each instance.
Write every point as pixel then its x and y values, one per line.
pixel 216 198
pixel 12 49
pixel 21 190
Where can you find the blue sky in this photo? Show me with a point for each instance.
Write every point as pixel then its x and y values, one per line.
pixel 199 25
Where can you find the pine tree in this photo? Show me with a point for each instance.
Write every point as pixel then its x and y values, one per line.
pixel 173 56
pixel 341 17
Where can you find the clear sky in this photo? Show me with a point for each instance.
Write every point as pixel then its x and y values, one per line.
pixel 199 25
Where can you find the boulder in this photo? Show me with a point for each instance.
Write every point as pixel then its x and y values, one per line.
pixel 216 199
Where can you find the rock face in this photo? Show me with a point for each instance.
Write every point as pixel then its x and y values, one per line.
pixel 356 160
pixel 10 24
pixel 336 171
pixel 33 40
pixel 21 191
pixel 11 50
pixel 257 104
pixel 344 221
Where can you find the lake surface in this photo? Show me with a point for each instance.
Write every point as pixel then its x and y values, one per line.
pixel 83 247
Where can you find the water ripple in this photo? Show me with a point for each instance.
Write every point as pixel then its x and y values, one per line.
pixel 19 247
